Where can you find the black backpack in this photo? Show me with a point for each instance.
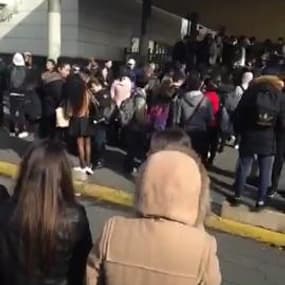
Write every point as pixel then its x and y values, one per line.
pixel 267 108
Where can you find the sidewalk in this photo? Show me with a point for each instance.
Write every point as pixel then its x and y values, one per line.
pixel 112 186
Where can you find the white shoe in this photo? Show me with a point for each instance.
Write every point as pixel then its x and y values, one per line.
pixel 236 147
pixel 89 171
pixel 23 135
pixel 79 169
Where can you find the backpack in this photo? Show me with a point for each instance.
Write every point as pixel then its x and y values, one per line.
pixel 267 108
pixel 158 116
pixel 17 78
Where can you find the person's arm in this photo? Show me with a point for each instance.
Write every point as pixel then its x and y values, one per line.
pixel 238 92
pixel 58 92
pixel 176 112
pixel 94 271
pixel 77 265
pixel 213 273
pixel 112 91
pixel 240 113
pixel 281 116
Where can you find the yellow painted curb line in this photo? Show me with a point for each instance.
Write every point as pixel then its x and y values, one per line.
pixel 8 169
pixel 122 198
pixel 246 231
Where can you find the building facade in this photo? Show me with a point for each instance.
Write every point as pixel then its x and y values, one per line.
pixel 260 18
pixel 103 29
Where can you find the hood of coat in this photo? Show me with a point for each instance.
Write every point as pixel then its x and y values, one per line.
pixel 49 77
pixel 270 81
pixel 169 190
pixel 193 97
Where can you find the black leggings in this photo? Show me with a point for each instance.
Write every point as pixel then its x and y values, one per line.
pixel 213 143
pixel 17 106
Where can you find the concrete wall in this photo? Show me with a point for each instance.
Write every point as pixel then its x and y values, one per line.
pixel 100 28
pixel 261 18
pixel 28 30
pixel 106 27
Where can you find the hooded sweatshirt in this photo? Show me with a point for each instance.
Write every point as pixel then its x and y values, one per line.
pixel 162 245
pixel 190 116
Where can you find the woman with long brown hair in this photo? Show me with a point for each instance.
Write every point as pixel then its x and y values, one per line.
pixel 79 102
pixel 44 234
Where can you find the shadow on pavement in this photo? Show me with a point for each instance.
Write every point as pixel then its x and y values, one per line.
pixel 222 172
pixel 115 161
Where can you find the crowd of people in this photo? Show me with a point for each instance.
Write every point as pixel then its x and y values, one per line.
pixel 50 242
pixel 91 105
pixel 173 120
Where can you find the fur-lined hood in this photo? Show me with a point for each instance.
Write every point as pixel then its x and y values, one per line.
pixel 169 186
pixel 49 77
pixel 273 81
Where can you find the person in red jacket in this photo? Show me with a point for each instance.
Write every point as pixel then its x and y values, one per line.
pixel 212 95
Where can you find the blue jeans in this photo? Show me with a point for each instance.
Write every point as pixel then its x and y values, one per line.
pixel 265 164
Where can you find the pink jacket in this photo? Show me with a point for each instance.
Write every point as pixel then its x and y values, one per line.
pixel 121 90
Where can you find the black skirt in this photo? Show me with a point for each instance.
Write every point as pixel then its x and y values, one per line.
pixel 80 127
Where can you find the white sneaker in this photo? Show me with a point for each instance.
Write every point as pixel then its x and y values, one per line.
pixel 79 169
pixel 89 171
pixel 23 135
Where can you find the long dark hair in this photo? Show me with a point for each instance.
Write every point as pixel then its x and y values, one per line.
pixel 43 190
pixel 74 90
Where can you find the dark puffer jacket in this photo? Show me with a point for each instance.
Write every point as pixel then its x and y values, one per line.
pixel 72 249
pixel 51 93
pixel 256 139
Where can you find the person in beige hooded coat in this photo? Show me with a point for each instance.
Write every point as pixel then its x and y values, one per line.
pixel 166 243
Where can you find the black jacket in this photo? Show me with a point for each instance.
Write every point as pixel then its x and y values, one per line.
pixel 102 108
pixel 256 139
pixel 72 249
pixel 51 95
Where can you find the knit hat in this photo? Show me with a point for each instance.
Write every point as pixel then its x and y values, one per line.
pixel 18 59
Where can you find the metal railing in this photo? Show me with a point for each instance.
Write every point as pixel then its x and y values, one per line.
pixel 159 57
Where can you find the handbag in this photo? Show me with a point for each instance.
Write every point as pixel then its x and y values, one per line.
pixel 61 120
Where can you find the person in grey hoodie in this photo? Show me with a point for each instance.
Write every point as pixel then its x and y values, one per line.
pixel 195 114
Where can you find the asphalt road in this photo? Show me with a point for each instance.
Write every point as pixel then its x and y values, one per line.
pixel 243 261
